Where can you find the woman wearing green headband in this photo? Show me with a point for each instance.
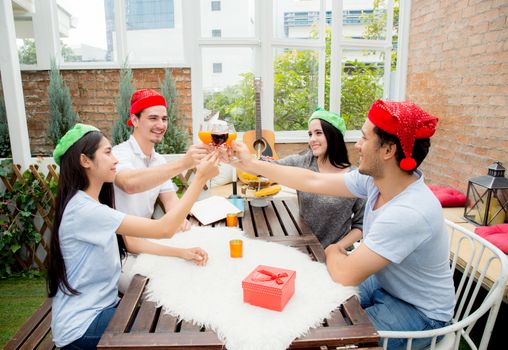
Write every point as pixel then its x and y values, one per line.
pixel 84 259
pixel 330 218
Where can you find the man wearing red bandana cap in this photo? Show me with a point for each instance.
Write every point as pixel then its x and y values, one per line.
pixel 143 175
pixel 401 265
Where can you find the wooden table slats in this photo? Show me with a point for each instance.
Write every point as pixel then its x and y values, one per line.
pixel 144 322
pixel 138 323
pixel 289 226
pixel 166 323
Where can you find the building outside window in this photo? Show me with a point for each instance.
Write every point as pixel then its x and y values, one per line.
pixel 215 5
pixel 217 67
pixel 216 33
pixel 149 14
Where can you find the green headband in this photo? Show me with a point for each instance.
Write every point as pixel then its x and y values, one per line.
pixel 70 138
pixel 332 118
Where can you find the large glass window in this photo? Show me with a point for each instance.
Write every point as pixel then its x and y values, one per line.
pixel 230 93
pixel 304 76
pixel 85 32
pixel 361 84
pixel 149 14
pixel 234 20
pixel 153 31
pixel 295 83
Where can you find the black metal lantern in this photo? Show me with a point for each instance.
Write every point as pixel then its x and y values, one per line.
pixel 487 197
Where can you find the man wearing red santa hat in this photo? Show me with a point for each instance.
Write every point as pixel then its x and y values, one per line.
pixel 143 175
pixel 401 265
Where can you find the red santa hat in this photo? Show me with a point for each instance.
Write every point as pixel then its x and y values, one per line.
pixel 144 98
pixel 405 120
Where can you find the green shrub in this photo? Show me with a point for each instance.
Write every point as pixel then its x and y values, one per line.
pixel 175 138
pixel 61 115
pixel 121 131
pixel 5 142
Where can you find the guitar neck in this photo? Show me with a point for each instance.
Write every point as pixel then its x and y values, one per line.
pixel 258 113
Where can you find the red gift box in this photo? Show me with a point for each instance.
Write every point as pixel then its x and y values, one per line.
pixel 269 287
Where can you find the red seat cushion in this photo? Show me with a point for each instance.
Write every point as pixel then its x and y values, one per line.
pixel 448 197
pixel 497 235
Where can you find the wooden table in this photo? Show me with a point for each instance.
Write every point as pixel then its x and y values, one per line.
pixel 138 323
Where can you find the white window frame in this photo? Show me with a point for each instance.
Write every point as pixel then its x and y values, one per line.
pixel 263 42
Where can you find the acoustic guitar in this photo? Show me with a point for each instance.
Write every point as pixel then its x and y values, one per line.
pixel 260 142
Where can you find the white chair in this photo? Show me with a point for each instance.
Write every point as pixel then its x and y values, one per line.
pixel 477 255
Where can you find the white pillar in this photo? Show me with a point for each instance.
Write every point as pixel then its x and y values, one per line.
pixel 267 70
pixel 191 13
pixel 46 35
pixel 336 57
pixel 402 51
pixel 12 88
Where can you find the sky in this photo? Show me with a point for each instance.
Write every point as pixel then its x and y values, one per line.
pixel 90 24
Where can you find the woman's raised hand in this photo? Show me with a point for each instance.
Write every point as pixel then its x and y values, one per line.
pixel 208 167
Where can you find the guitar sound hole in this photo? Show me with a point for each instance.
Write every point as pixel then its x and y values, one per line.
pixel 259 145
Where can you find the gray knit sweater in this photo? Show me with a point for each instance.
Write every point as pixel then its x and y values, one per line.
pixel 330 218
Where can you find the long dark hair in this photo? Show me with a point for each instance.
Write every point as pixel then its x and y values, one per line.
pixel 336 152
pixel 420 149
pixel 72 179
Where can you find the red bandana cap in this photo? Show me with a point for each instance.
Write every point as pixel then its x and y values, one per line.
pixel 144 98
pixel 405 120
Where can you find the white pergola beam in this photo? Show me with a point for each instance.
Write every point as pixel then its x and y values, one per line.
pixel 12 88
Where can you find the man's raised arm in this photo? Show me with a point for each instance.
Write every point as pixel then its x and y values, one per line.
pixel 140 180
pixel 294 177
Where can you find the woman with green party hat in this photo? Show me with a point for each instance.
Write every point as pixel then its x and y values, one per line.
pixel 331 219
pixel 84 259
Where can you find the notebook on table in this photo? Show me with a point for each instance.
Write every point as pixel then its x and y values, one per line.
pixel 213 209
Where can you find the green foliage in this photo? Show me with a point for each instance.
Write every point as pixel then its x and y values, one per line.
pixel 235 103
pixel 5 142
pixel 17 211
pixel 121 131
pixel 295 93
pixel 375 24
pixel 361 86
pixel 61 115
pixel 175 138
pixel 27 53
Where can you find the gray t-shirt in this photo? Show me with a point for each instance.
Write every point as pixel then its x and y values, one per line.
pixel 92 263
pixel 409 231
pixel 330 218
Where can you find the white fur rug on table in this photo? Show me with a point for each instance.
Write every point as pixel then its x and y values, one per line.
pixel 212 295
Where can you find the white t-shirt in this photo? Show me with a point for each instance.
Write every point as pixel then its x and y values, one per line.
pixel 409 231
pixel 130 157
pixel 92 263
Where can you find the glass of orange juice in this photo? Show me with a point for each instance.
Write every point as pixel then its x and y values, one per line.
pixel 205 133
pixel 231 134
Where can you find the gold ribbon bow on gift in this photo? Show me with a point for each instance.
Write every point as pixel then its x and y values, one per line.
pixel 270 276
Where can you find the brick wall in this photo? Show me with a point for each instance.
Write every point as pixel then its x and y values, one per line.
pixel 458 71
pixel 94 93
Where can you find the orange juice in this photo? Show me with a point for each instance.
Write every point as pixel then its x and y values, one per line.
pixel 232 220
pixel 231 138
pixel 205 136
pixel 236 248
